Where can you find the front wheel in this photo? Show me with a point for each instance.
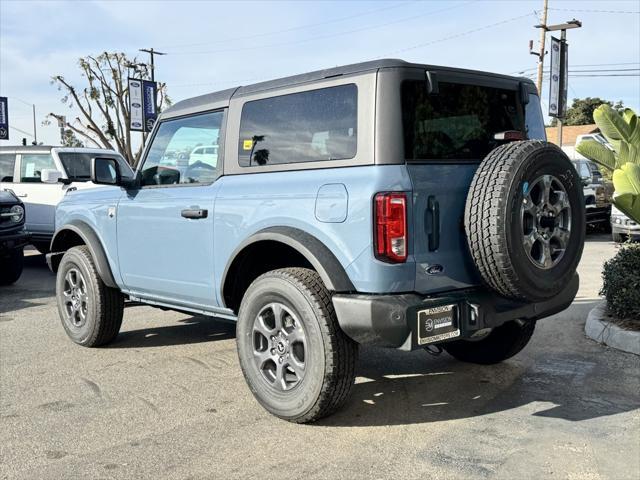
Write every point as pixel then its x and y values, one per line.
pixel 91 313
pixel 11 266
pixel 502 343
pixel 295 358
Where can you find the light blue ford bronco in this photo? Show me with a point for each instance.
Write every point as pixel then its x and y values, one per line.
pixel 384 203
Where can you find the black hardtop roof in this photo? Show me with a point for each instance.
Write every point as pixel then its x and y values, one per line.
pixel 210 100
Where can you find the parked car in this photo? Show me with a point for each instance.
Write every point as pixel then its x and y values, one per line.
pixel 207 154
pixel 384 203
pixel 41 175
pixel 13 237
pixel 597 195
pixel 622 227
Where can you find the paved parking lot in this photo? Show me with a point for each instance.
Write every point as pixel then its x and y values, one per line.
pixel 167 400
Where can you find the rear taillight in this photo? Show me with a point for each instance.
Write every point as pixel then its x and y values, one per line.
pixel 390 233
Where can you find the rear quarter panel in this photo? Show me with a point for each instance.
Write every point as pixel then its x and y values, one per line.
pixel 249 203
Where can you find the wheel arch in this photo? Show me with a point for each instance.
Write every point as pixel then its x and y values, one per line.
pixel 80 233
pixel 295 248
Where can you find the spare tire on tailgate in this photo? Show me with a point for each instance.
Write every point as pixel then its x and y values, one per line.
pixel 524 220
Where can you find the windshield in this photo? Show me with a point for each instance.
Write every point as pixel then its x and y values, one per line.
pixel 459 122
pixel 77 165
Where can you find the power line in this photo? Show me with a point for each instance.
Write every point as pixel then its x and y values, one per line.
pixel 292 29
pixel 590 11
pixel 461 34
pixel 320 37
pixel 21 131
pixel 581 65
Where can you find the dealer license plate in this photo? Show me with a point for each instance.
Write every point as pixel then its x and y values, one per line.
pixel 436 324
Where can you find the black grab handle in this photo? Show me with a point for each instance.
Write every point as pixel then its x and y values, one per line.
pixel 433 208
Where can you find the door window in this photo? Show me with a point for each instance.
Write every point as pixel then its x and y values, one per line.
pixel 7 162
pixel 179 151
pixel 32 164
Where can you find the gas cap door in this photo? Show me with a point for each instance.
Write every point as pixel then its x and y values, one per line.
pixel 332 202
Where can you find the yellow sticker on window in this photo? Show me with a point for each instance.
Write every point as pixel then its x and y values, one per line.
pixel 247 144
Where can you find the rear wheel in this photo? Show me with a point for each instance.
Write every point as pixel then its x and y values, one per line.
pixel 501 343
pixel 295 358
pixel 91 313
pixel 11 266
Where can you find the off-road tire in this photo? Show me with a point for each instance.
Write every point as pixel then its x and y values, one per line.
pixel 105 305
pixel 11 266
pixel 493 220
pixel 502 343
pixel 332 355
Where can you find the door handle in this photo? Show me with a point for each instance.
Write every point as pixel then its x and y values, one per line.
pixel 433 211
pixel 195 213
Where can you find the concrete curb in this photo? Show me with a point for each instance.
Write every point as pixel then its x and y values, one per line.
pixel 607 333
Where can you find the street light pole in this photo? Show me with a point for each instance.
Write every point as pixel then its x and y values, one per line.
pixel 35 134
pixel 33 109
pixel 563 27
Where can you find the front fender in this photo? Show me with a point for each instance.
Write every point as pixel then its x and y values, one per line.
pixel 61 243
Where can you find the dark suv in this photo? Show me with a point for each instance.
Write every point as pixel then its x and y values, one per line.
pixel 384 203
pixel 13 238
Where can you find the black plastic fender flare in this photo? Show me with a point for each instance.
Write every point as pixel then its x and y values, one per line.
pixel 317 254
pixel 91 240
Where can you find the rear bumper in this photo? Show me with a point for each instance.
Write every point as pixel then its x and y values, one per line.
pixel 391 320
pixel 13 241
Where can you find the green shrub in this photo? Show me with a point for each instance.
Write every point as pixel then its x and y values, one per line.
pixel 621 283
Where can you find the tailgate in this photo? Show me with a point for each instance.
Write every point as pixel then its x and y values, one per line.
pixel 440 247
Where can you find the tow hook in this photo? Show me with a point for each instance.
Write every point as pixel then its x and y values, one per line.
pixel 434 350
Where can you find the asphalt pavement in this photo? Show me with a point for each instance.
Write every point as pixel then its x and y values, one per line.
pixel 167 400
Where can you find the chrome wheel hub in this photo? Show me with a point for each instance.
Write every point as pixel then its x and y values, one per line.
pixel 546 221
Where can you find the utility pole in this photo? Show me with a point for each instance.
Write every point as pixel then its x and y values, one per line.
pixel 151 53
pixel 543 36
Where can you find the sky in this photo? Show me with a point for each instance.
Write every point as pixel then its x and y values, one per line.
pixel 211 45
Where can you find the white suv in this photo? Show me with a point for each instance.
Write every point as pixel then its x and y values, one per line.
pixel 41 175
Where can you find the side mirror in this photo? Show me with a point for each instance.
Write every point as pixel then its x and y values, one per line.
pixel 49 175
pixel 105 171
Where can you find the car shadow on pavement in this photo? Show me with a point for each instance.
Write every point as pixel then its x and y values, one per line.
pixel 396 388
pixel 33 288
pixel 196 329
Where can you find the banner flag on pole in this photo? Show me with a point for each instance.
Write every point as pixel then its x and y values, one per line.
pixel 4 118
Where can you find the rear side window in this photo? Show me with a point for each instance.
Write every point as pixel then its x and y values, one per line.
pixel 300 127
pixel 457 123
pixel 7 162
pixel 31 166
